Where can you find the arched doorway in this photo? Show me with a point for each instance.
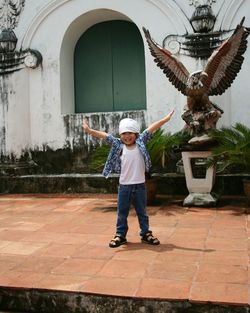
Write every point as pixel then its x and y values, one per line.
pixel 109 69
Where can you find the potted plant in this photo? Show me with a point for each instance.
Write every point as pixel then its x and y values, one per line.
pixel 162 150
pixel 98 158
pixel 232 152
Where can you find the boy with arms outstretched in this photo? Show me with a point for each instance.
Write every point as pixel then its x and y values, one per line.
pixel 129 157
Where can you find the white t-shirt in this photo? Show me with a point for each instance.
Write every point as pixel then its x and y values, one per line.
pixel 132 166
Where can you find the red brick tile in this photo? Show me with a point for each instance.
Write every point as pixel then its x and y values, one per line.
pixel 8 262
pixel 220 293
pixel 87 267
pixel 4 243
pixel 164 289
pixel 7 278
pixel 68 238
pixel 124 268
pixel 232 222
pixel 58 227
pixel 195 221
pixel 94 252
pixel 171 271
pixel 157 221
pixel 28 226
pixel 63 282
pixel 226 232
pixel 21 248
pixel 162 231
pixel 115 286
pixel 15 235
pixel 195 244
pixel 178 257
pixel 202 212
pixel 88 229
pixel 61 242
pixel 228 257
pixel 100 240
pixel 57 250
pixel 189 239
pixel 217 243
pixel 137 251
pixel 222 274
pixel 40 236
pixel 200 232
pixel 21 279
pixel 38 264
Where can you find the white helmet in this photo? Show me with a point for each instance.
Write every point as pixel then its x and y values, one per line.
pixel 128 125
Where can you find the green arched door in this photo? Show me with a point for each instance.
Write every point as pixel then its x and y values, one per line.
pixel 109 69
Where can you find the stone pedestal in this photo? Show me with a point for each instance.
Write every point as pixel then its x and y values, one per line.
pixel 199 188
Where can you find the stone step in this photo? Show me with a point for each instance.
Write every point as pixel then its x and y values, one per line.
pixel 167 183
pixel 51 301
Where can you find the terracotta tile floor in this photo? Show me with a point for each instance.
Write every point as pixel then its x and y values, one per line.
pixel 60 242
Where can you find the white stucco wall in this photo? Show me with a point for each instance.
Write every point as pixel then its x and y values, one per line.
pixel 42 96
pixel 14 113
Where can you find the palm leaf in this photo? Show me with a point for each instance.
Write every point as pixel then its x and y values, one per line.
pixel 233 149
pixel 99 157
pixel 162 146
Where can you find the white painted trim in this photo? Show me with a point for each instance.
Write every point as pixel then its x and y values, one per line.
pixel 38 19
pixel 227 13
pixel 169 9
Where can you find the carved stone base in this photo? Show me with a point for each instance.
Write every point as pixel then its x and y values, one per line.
pixel 199 187
pixel 200 199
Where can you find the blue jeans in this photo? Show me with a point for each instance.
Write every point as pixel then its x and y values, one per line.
pixel 131 194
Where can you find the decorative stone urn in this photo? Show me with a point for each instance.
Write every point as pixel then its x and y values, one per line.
pixel 200 188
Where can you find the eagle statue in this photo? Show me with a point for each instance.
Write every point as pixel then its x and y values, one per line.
pixel 222 67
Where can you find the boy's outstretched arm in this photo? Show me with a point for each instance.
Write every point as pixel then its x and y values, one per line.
pixel 95 133
pixel 159 123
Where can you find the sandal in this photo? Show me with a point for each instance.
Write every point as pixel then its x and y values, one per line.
pixel 150 239
pixel 117 241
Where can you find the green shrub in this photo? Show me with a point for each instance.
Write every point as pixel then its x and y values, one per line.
pixel 161 149
pixel 232 152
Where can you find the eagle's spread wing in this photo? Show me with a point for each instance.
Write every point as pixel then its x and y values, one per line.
pixel 175 71
pixel 225 62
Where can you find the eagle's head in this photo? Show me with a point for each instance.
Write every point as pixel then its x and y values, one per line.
pixel 196 80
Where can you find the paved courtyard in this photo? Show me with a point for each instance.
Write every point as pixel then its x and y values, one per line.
pixel 60 242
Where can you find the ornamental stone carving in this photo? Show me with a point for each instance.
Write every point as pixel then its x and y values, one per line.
pixel 11 60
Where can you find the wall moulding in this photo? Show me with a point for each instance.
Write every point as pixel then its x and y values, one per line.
pixel 168 8
pixel 38 19
pixel 226 14
pixel 14 61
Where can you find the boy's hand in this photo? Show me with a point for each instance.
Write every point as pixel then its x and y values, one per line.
pixel 85 126
pixel 96 133
pixel 159 123
pixel 168 117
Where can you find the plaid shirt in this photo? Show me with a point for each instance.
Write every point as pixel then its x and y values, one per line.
pixel 113 163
